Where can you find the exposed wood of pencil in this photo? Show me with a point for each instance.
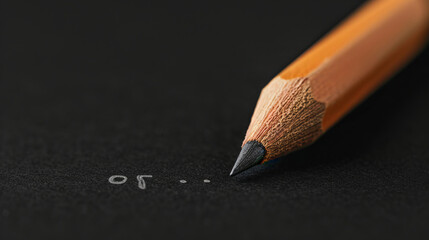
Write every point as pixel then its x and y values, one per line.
pixel 337 73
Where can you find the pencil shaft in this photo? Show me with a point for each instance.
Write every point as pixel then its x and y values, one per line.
pixel 350 62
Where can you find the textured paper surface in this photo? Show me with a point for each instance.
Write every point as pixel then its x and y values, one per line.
pixel 167 89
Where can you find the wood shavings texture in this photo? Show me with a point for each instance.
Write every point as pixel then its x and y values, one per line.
pixel 286 118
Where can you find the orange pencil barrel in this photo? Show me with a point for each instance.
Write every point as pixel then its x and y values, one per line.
pixel 361 52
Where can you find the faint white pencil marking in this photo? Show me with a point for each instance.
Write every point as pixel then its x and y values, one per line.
pixel 142 183
pixel 114 179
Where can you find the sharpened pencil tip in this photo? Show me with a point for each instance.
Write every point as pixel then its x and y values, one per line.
pixel 251 154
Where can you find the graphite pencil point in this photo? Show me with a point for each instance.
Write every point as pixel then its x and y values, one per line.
pixel 251 154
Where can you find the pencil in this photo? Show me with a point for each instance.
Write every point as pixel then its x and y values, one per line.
pixel 333 76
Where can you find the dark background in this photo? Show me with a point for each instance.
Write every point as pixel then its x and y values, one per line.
pixel 89 90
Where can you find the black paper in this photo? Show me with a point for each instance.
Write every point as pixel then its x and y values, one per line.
pixel 90 90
